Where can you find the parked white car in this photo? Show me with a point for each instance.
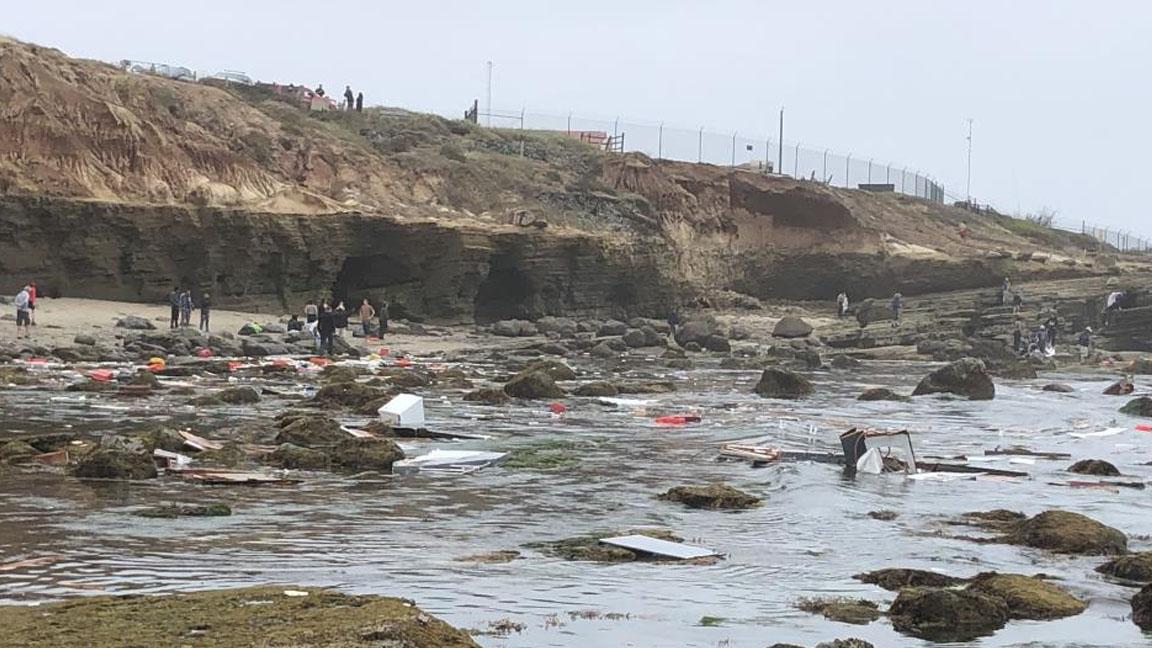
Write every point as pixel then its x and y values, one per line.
pixel 233 76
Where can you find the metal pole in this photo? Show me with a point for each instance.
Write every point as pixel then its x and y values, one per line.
pixel 488 109
pixel 700 146
pixel 968 188
pixel 767 152
pixel 824 178
pixel 734 148
pixel 660 143
pixel 904 181
pixel 569 122
pixel 521 131
pixel 796 163
pixel 888 175
pixel 869 171
pixel 847 171
pixel 616 127
pixel 780 152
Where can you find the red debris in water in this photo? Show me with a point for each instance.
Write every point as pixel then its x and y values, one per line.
pixel 558 408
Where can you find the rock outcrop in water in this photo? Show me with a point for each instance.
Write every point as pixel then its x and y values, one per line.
pixel 1071 533
pixel 965 377
pixel 1094 467
pixel 947 615
pixel 782 383
pixel 1136 567
pixel 710 496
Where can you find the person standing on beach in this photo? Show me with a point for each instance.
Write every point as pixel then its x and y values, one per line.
pixel 1084 343
pixel 341 316
pixel 23 313
pixel 326 327
pixel 383 315
pixel 205 311
pixel 174 302
pixel 896 306
pixel 366 315
pixel 841 304
pixel 186 308
pixel 32 302
pixel 311 312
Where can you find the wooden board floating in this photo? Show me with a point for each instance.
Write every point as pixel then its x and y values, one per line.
pixel 202 476
pixel 657 547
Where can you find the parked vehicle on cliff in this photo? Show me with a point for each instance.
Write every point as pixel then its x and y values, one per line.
pixel 233 76
pixel 176 72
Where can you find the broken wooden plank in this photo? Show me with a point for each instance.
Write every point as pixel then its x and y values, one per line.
pixel 219 477
pixel 1025 452
pixel 199 442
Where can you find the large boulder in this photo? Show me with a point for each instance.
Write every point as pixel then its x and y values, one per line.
pixel 597 389
pixel 1141 406
pixel 710 496
pixel 965 377
pixel 533 385
pixel 612 328
pixel 653 337
pixel 115 463
pixel 294 457
pixel 697 329
pixel 791 326
pixel 717 343
pixel 514 328
pixel 947 615
pixel 635 338
pixel 880 394
pixel 1142 608
pixel 310 432
pixel 487 396
pixel 1058 388
pixel 1094 467
pixel 238 395
pixel 895 579
pixel 346 394
pixel 782 383
pixel 556 369
pixel 1028 597
pixel 134 323
pixel 561 326
pixel 1135 567
pixel 356 453
pixel 1070 533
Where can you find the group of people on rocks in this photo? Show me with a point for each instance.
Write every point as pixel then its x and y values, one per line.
pixel 895 306
pixel 326 322
pixel 181 302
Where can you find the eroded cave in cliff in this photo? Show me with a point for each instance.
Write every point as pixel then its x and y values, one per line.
pixel 506 293
pixel 371 276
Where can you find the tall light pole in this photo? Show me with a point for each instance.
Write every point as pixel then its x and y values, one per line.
pixel 969 185
pixel 489 101
pixel 780 149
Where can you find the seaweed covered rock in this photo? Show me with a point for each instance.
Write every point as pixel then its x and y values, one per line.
pixel 1142 608
pixel 589 548
pixel 782 383
pixel 488 396
pixel 1136 567
pixel 533 385
pixel 339 374
pixel 896 579
pixel 1028 597
pixel 880 394
pixel 1058 388
pixel 15 451
pixel 947 615
pixel 114 463
pixel 238 395
pixel 310 432
pixel 965 377
pixel 1141 406
pixel 597 389
pixel 844 361
pixel 844 610
pixel 851 642
pixel 174 511
pixel 346 394
pixel 555 369
pixel 710 496
pixel 287 455
pixel 1071 533
pixel 250 616
pixel 366 454
pixel 1094 467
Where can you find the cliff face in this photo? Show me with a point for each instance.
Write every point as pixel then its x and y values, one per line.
pixel 276 261
pixel 119 185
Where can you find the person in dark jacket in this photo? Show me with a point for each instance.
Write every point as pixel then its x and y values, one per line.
pixel 326 327
pixel 382 315
pixel 294 324
pixel 205 311
pixel 174 302
pixel 341 314
pixel 349 98
pixel 359 102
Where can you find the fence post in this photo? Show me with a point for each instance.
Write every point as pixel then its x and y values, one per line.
pixel 734 147
pixel 660 143
pixel 700 146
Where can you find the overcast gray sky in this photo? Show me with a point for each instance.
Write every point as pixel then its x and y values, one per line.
pixel 1059 90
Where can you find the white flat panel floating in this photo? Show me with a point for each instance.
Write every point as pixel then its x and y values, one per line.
pixel 659 547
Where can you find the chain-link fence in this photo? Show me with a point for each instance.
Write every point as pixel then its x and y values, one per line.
pixel 748 150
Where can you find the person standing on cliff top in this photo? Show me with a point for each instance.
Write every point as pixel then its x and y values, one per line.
pixel 359 102
pixel 205 311
pixel 366 315
pixel 23 313
pixel 311 312
pixel 349 98
pixel 186 308
pixel 320 90
pixel 896 306
pixel 174 302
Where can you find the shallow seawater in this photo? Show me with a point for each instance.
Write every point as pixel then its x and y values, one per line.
pixel 401 536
